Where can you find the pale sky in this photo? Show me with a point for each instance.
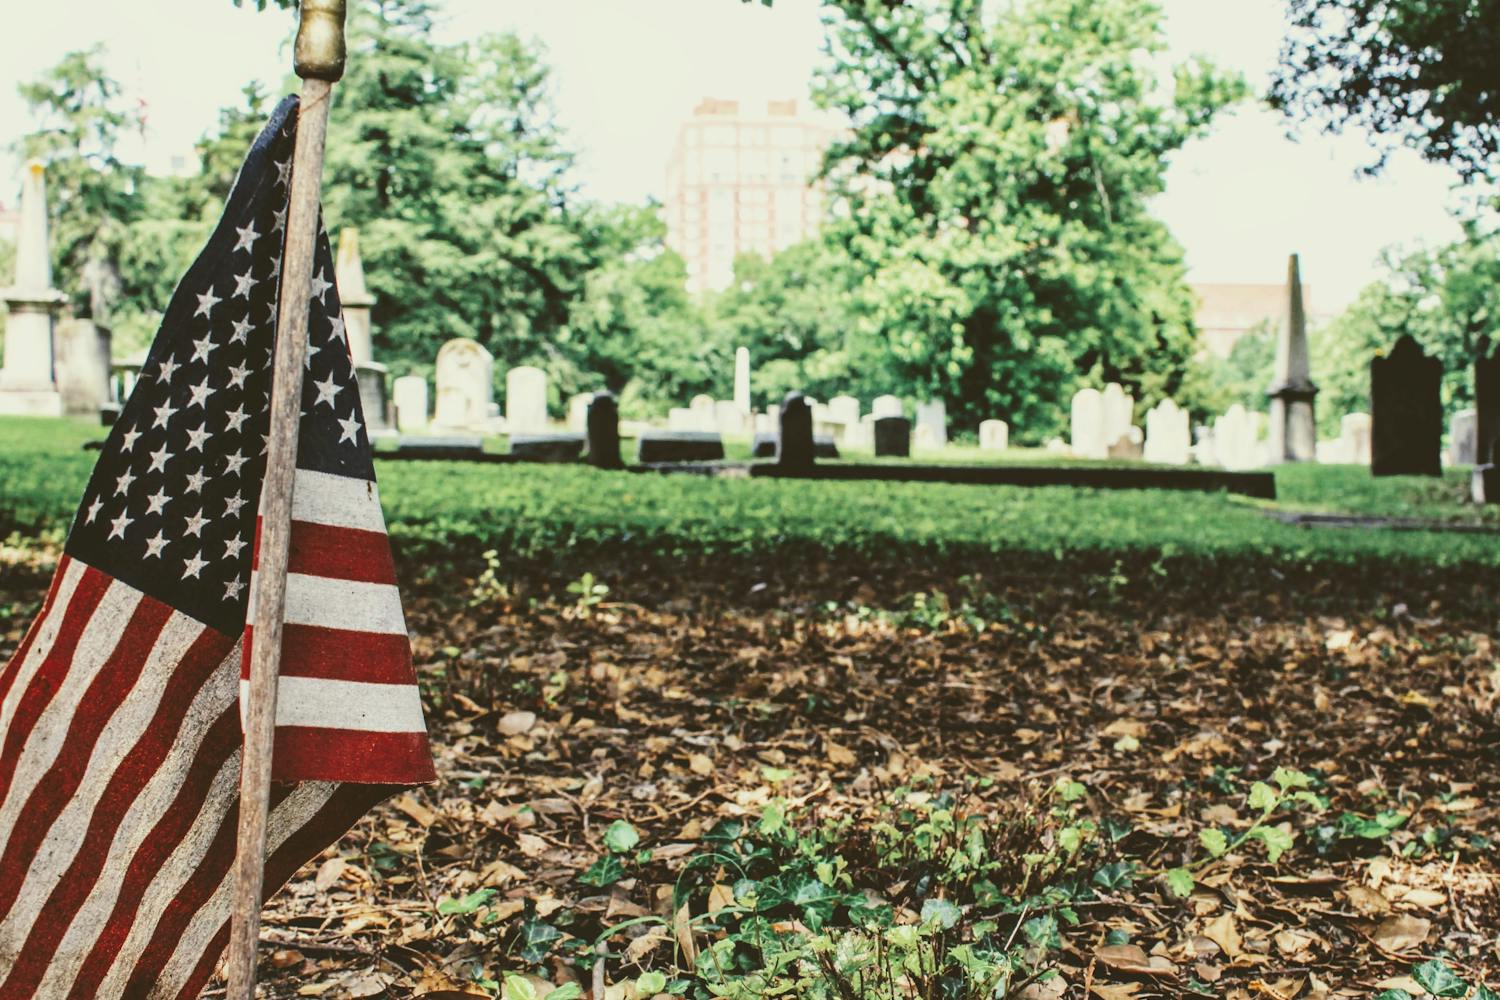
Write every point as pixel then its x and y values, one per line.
pixel 627 73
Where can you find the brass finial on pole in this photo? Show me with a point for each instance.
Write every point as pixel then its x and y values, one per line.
pixel 319 61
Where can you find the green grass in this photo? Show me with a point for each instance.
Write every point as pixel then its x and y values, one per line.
pixel 547 512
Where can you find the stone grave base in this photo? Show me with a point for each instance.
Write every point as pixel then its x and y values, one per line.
pixel 30 403
pixel 547 447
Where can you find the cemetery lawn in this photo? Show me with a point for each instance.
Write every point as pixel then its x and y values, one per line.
pixel 748 738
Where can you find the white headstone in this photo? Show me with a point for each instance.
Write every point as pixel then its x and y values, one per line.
pixel 410 395
pixel 742 380
pixel 1169 438
pixel 1463 437
pixel 27 381
pixel 887 406
pixel 1119 413
pixel 994 435
pixel 354 297
pixel 843 410
pixel 729 419
pixel 932 423
pixel 1088 424
pixel 83 372
pixel 1354 432
pixel 578 412
pixel 465 374
pixel 703 414
pixel 1235 439
pixel 526 400
pixel 680 418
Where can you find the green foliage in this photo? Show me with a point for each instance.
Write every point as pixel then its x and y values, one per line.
pixel 1418 71
pixel 997 178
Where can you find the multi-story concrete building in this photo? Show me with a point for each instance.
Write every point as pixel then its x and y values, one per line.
pixel 741 181
pixel 1228 311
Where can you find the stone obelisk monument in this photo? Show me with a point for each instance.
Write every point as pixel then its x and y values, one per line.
pixel 357 301
pixel 28 381
pixel 1294 435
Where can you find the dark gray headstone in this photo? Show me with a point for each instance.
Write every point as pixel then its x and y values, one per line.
pixel 892 437
pixel 1487 405
pixel 764 446
pixel 794 445
pixel 604 432
pixel 547 447
pixel 373 398
pixel 658 447
pixel 1406 412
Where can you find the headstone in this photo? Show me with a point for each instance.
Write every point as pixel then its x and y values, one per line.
pixel 932 423
pixel 1129 446
pixel 526 400
pixel 1354 439
pixel 547 447
pixel 82 350
pixel 357 302
pixel 887 406
pixel 1169 437
pixel 729 419
pixel 1119 413
pixel 892 437
pixel 794 444
pixel 1463 437
pixel 680 419
pixel 442 446
pixel 1406 411
pixel 765 446
pixel 604 432
pixel 704 420
pixel 28 385
pixel 465 374
pixel 578 412
pixel 994 435
pixel 1294 434
pixel 1088 424
pixel 1234 439
pixel 410 395
pixel 742 380
pixel 658 447
pixel 1487 403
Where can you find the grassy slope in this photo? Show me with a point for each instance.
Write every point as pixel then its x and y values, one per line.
pixel 544 512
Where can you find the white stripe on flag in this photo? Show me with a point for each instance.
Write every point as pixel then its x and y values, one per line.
pixel 217 694
pixel 122 732
pixel 321 498
pixel 292 814
pixel 98 640
pixel 349 605
pixel 354 705
pixel 46 635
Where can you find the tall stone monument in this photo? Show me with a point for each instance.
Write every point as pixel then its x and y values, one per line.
pixel 1294 433
pixel 28 381
pixel 349 270
pixel 742 381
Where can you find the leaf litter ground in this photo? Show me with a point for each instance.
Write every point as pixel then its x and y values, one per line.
pixel 1136 701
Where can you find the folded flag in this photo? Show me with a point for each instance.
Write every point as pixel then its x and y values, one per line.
pixel 120 729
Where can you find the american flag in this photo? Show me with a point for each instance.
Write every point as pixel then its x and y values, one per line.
pixel 120 737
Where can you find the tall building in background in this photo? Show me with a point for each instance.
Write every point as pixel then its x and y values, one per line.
pixel 1228 311
pixel 740 181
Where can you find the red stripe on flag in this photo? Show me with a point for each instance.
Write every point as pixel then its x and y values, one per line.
pixel 339 814
pixel 316 754
pixel 184 907
pixel 8 676
pixel 219 744
pixel 112 683
pixel 340 655
pixel 337 553
pixel 198 664
pixel 52 672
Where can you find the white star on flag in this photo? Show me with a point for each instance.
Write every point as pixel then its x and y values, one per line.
pixel 206 302
pixel 248 236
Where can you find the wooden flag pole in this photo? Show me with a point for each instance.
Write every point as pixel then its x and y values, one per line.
pixel 319 61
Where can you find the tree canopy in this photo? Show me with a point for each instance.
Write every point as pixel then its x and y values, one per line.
pixel 1418 72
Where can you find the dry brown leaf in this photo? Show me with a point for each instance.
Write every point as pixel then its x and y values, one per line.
pixel 720 897
pixel 531 845
pixel 1115 991
pixel 1132 958
pixel 1427 899
pixel 516 723
pixel 1401 933
pixel 683 928
pixel 1367 901
pixel 419 813
pixel 1222 931
pixel 839 755
pixel 329 873
pixel 701 764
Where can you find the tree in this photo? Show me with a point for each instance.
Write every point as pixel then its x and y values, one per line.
pixel 997 176
pixel 1419 72
pixel 92 196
